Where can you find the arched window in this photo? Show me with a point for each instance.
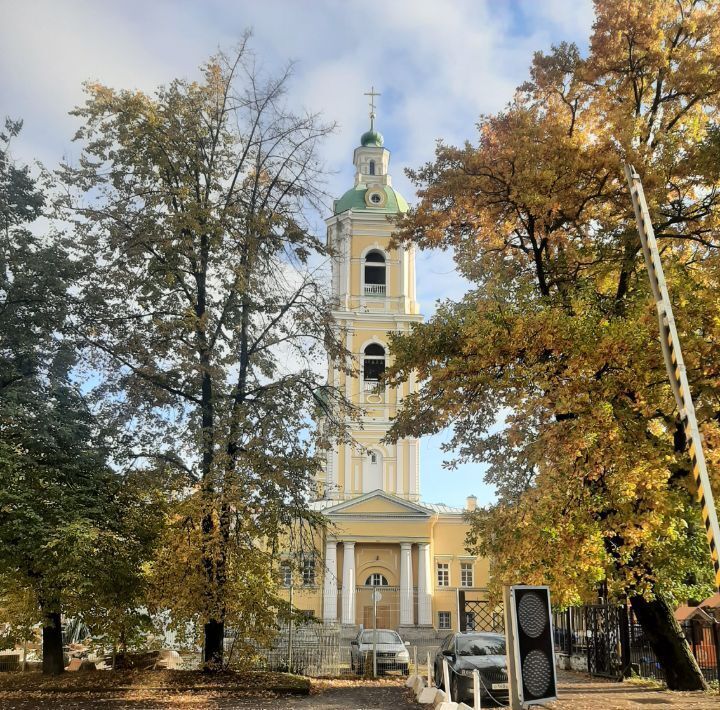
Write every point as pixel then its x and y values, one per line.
pixel 376 580
pixel 373 363
pixel 374 274
pixel 371 168
pixel 372 470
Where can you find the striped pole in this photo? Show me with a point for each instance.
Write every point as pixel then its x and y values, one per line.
pixel 675 365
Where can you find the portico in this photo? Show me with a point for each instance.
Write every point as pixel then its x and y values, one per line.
pixel 411 599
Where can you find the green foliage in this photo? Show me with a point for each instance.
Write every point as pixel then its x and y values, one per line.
pixel 73 533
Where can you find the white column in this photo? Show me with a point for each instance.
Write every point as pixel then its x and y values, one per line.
pixel 413 469
pixel 348 583
pixel 330 583
pixel 406 590
pixel 400 458
pixel 424 585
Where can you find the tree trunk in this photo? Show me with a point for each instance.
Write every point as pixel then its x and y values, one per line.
pixel 53 662
pixel 668 643
pixel 213 650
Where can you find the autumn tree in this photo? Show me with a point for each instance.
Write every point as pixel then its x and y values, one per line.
pixel 206 319
pixel 549 369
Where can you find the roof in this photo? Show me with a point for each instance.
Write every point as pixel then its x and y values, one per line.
pixel 372 137
pixel 440 508
pixel 685 612
pixel 712 602
pixel 354 199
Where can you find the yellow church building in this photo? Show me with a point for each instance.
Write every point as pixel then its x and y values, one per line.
pixel 381 536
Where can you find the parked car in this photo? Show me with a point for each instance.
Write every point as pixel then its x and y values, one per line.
pixel 466 652
pixel 392 654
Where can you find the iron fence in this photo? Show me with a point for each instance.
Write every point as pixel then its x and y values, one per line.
pixel 335 649
pixel 606 640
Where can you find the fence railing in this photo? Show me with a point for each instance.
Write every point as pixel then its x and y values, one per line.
pixel 318 650
pixel 374 289
pixel 606 640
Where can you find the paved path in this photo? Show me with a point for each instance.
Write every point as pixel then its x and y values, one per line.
pixel 581 692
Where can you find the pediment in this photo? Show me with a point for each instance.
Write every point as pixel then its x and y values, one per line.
pixel 377 504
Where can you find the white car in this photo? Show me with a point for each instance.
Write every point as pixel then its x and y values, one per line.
pixel 392 654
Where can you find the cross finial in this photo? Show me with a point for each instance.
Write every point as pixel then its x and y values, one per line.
pixel 372 94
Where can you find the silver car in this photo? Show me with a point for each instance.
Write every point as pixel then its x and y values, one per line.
pixel 392 654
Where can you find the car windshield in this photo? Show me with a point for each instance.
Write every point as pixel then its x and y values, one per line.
pixel 382 637
pixel 481 645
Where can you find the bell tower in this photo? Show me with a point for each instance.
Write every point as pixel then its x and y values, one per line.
pixel 374 290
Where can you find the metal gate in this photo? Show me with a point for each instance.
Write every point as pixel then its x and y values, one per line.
pixel 608 640
pixel 480 615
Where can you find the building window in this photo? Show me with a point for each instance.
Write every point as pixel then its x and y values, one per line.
pixel 371 168
pixel 443 574
pixel 469 621
pixel 286 574
pixel 373 364
pixel 308 571
pixel 375 273
pixel 376 580
pixel 444 620
pixel 466 574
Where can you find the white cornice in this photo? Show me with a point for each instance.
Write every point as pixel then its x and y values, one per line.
pixel 381 317
pixel 414 510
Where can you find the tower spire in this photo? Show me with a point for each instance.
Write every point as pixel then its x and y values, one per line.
pixel 372 94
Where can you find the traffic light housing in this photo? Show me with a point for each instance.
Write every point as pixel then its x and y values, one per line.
pixel 530 646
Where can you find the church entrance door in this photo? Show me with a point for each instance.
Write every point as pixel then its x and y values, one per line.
pixel 383 617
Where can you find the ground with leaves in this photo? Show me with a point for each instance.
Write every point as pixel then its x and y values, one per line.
pixel 579 691
pixel 145 689
pixel 187 689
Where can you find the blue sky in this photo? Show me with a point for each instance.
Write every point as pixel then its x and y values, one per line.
pixel 438 64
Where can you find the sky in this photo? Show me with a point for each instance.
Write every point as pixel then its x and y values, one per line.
pixel 438 65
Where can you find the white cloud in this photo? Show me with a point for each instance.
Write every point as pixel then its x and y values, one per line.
pixel 437 64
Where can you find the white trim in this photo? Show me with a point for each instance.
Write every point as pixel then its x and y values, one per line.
pixel 412 508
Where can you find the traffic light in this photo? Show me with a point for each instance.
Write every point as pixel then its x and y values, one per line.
pixel 530 647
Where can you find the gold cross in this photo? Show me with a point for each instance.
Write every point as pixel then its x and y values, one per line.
pixel 372 94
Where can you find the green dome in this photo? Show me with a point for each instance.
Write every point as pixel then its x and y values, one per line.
pixel 372 137
pixel 354 199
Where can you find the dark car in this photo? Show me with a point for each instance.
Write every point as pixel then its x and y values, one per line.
pixel 392 655
pixel 466 652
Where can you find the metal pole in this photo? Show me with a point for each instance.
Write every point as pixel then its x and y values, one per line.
pixel 446 679
pixel 290 632
pixel 512 662
pixel 675 364
pixel 415 663
pixel 375 634
pixel 477 705
pixel 716 638
pixel 429 671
